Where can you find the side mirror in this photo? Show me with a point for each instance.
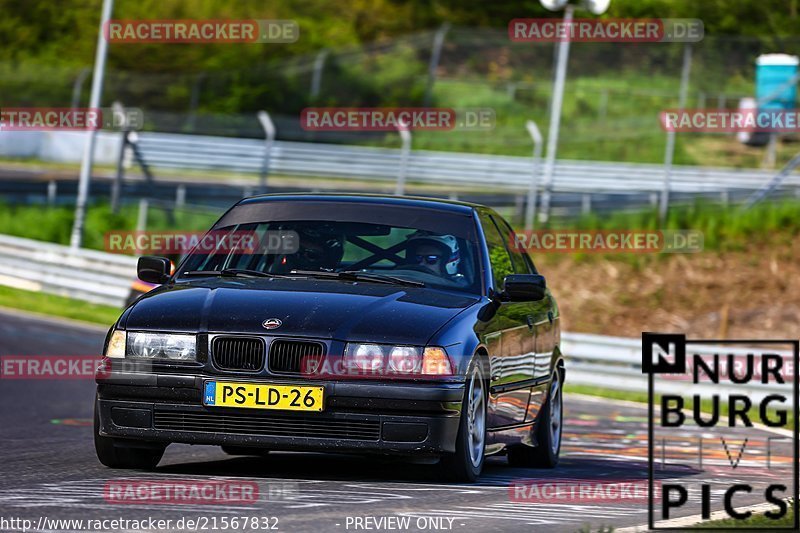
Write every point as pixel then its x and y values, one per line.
pixel 153 269
pixel 524 287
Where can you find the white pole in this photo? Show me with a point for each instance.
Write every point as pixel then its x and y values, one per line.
pixel 269 135
pixel 669 153
pixel 405 152
pixel 530 209
pixel 94 103
pixel 555 116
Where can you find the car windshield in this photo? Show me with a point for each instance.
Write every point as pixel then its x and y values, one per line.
pixel 437 259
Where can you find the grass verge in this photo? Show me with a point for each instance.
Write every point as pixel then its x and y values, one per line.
pixel 641 397
pixel 754 523
pixel 59 306
pixel 612 394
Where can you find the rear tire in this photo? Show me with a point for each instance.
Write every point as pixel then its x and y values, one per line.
pixel 548 433
pixel 466 464
pixel 110 454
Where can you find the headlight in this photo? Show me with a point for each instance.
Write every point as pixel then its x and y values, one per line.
pixel 162 346
pixel 386 359
pixel 365 357
pixel 116 344
pixel 404 359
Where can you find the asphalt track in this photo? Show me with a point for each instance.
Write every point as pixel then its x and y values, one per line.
pixel 48 469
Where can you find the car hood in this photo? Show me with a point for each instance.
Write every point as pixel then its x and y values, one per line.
pixel 326 309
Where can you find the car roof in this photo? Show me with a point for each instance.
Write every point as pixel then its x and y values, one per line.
pixel 408 201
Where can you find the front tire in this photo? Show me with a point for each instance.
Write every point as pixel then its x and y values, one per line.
pixel 466 464
pixel 113 456
pixel 548 433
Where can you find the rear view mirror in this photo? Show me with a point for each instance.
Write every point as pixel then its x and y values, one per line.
pixel 153 269
pixel 524 287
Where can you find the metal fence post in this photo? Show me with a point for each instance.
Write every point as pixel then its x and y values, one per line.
pixel 519 208
pixel 77 87
pixel 701 100
pixel 180 196
pixel 269 131
pixel 530 208
pixel 511 90
pixel 771 153
pixel 436 54
pixel 669 153
pixel 405 152
pixel 116 186
pixel 141 219
pixel 586 203
pixel 52 190
pixel 194 101
pixel 316 76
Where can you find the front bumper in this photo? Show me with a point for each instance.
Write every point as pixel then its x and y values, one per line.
pixel 362 417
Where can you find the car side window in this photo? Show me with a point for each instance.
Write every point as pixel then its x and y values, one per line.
pixel 498 252
pixel 519 258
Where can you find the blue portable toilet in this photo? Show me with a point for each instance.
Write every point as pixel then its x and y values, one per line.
pixel 776 91
pixel 776 82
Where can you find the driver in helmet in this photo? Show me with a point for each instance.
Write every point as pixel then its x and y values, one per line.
pixel 320 248
pixel 437 253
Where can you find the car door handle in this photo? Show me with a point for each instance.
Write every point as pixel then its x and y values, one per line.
pixel 529 320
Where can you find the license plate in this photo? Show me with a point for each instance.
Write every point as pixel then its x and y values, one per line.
pixel 262 396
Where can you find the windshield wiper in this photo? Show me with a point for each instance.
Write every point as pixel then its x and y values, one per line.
pixel 354 275
pixel 233 272
pixel 371 276
pixel 347 275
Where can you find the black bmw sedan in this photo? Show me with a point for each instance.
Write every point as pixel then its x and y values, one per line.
pixel 339 323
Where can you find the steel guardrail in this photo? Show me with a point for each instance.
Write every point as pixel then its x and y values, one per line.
pixel 88 275
pixel 179 151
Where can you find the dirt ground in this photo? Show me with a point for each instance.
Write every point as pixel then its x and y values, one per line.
pixel 749 294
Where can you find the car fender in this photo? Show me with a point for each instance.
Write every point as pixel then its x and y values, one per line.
pixel 459 338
